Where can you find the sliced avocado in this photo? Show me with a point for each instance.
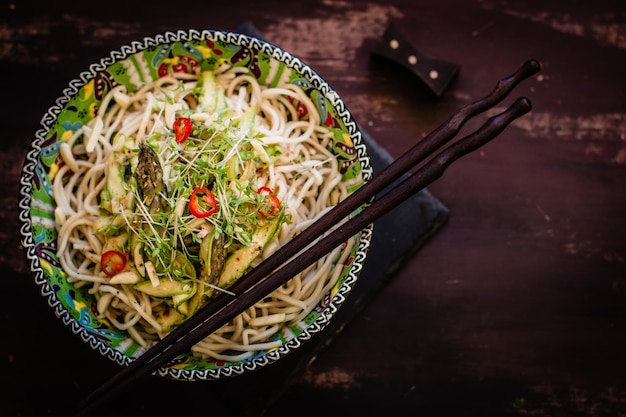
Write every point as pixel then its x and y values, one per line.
pixel 194 303
pixel 211 97
pixel 109 225
pixel 181 301
pixel 182 264
pixel 239 261
pixel 169 318
pixel 118 243
pixel 167 288
pixel 116 195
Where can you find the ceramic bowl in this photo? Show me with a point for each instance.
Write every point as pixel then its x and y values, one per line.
pixel 131 65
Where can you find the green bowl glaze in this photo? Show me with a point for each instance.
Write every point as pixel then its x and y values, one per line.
pixel 133 65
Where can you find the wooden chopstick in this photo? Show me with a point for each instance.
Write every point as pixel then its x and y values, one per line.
pixel 269 275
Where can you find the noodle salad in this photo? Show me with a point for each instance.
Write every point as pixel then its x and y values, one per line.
pixel 172 192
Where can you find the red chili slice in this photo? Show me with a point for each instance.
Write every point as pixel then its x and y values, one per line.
pixel 202 203
pixel 182 128
pixel 271 204
pixel 112 262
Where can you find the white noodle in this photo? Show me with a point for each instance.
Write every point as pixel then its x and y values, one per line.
pixel 305 178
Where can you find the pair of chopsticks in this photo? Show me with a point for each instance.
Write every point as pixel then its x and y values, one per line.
pixel 291 259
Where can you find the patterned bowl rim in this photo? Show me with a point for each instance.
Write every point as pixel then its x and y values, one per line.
pixel 30 162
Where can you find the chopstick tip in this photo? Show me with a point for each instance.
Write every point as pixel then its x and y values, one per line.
pixel 525 104
pixel 532 66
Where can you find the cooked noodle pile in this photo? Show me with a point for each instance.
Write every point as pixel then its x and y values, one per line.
pixel 251 133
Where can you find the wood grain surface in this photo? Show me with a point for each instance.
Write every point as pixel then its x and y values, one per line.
pixel 516 307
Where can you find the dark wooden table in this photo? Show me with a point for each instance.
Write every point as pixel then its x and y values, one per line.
pixel 516 306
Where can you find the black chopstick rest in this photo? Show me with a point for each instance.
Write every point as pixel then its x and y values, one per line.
pixel 434 73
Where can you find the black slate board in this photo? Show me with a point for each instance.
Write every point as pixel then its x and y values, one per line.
pixel 396 237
